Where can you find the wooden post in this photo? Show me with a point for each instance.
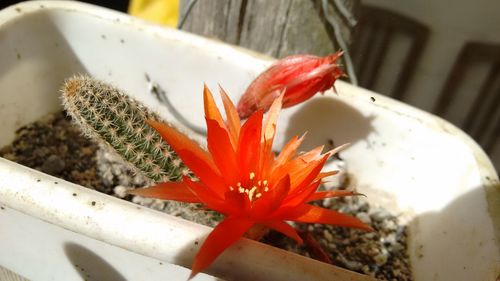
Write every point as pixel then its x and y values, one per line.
pixel 277 28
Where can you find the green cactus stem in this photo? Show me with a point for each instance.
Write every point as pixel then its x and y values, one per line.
pixel 106 114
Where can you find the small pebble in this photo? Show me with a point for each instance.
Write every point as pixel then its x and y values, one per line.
pixel 390 239
pixel 389 225
pixel 381 258
pixel 327 202
pixel 365 269
pixel 363 207
pixel 158 204
pixel 121 191
pixel 380 214
pixel 142 200
pixel 353 265
pixel 328 236
pixel 53 165
pixel 364 217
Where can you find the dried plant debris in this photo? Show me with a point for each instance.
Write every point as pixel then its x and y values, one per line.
pixel 56 146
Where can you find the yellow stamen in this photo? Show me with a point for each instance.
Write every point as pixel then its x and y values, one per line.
pixel 251 192
pixel 231 188
pixel 252 175
pixel 266 189
pixel 258 195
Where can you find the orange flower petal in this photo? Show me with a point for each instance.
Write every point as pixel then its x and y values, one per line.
pixel 177 191
pixel 302 178
pixel 269 130
pixel 288 151
pixel 178 141
pixel 338 149
pixel 233 120
pixel 237 203
pixel 300 197
pixel 207 196
pixel 211 110
pixel 326 174
pixel 249 145
pixel 313 214
pixel 204 172
pixel 328 194
pixel 299 167
pixel 301 173
pixel 282 165
pixel 266 159
pixel 272 199
pixel 219 145
pixel 311 155
pixel 284 228
pixel 224 235
pixel 271 118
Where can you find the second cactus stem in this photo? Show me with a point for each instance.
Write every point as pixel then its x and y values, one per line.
pixel 106 114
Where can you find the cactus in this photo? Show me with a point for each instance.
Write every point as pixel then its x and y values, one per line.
pixel 106 114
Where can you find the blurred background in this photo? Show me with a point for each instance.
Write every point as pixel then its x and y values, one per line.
pixel 443 60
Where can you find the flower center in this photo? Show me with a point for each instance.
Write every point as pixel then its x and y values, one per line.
pixel 253 190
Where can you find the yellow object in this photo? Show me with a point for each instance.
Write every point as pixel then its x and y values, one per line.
pixel 165 12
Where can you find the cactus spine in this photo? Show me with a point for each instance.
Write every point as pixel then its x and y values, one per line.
pixel 106 114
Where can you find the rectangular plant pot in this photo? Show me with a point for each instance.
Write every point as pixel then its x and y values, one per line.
pixel 408 161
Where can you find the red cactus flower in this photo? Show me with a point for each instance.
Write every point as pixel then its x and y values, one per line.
pixel 299 77
pixel 241 177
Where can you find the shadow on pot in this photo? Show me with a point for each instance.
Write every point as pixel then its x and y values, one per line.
pixel 328 121
pixel 89 265
pixel 34 71
pixel 459 241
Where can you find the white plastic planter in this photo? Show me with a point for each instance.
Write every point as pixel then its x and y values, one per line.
pixel 406 160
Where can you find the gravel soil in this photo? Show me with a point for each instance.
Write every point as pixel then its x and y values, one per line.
pixel 55 146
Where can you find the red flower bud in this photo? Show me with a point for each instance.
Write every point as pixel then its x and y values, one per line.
pixel 299 76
